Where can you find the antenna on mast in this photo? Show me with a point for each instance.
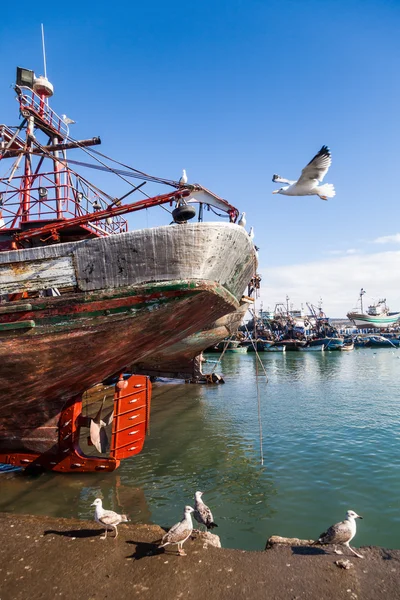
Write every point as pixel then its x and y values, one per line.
pixel 44 51
pixel 41 85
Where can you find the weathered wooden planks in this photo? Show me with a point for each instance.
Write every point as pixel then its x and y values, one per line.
pixel 218 252
pixel 31 275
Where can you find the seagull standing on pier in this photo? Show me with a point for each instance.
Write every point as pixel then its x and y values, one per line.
pixel 183 180
pixel 310 178
pixel 202 513
pixel 341 533
pixel 108 518
pixel 179 533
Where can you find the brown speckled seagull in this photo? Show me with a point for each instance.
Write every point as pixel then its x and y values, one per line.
pixel 341 533
pixel 202 513
pixel 179 533
pixel 108 518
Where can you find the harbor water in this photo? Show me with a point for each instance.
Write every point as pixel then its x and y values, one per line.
pixel 330 441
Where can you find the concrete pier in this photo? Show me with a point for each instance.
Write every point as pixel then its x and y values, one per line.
pixel 46 558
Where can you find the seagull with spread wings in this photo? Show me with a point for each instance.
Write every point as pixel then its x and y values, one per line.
pixel 310 178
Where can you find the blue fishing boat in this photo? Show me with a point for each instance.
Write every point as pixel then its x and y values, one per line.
pixel 329 343
pixel 316 348
pixel 378 341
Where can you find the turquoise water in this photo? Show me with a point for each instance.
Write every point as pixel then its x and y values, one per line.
pixel 331 442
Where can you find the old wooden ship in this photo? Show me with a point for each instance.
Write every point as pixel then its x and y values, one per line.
pixel 82 298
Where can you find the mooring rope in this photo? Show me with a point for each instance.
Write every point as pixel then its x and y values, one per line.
pixel 254 344
pixel 260 427
pixel 222 353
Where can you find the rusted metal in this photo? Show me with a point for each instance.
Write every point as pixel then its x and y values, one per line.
pixel 115 299
pixel 99 215
pixel 130 424
pixel 131 416
pixel 12 153
pixel 66 457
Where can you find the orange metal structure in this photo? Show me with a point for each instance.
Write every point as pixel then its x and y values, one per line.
pixel 130 424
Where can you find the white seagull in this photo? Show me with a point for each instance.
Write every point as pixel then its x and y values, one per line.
pixel 311 176
pixel 67 120
pixel 242 220
pixel 341 533
pixel 179 533
pixel 202 513
pixel 98 435
pixel 108 518
pixel 251 233
pixel 183 180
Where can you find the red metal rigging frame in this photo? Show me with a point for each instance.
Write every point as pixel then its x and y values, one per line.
pixel 132 398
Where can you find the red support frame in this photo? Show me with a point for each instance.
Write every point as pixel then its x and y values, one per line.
pixel 132 399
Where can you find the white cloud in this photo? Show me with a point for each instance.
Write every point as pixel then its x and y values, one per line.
pixel 388 239
pixel 342 252
pixel 337 280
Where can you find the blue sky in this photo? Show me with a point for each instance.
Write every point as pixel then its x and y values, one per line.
pixel 233 92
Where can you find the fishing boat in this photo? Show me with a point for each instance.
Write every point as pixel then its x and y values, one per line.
pixel 347 347
pixel 259 345
pixel 229 345
pixel 83 298
pixel 323 333
pixel 379 341
pixel 361 341
pixel 378 314
pixel 275 348
pixel 318 348
pixel 291 344
pixel 328 343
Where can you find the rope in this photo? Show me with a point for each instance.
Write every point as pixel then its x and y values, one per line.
pixel 222 353
pixel 260 427
pixel 216 213
pixel 257 353
pixel 131 173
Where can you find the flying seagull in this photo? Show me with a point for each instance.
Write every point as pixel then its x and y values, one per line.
pixel 183 180
pixel 311 176
pixel 341 533
pixel 202 513
pixel 242 220
pixel 179 533
pixel 108 518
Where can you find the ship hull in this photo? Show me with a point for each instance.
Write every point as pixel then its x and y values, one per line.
pixel 133 295
pixel 364 321
pixel 178 362
pixel 328 343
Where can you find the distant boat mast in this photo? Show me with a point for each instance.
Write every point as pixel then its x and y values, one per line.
pixel 362 292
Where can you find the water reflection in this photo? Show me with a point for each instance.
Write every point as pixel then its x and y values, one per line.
pixel 70 496
pixel 331 430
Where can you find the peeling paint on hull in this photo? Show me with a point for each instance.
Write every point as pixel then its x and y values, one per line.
pixel 113 318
